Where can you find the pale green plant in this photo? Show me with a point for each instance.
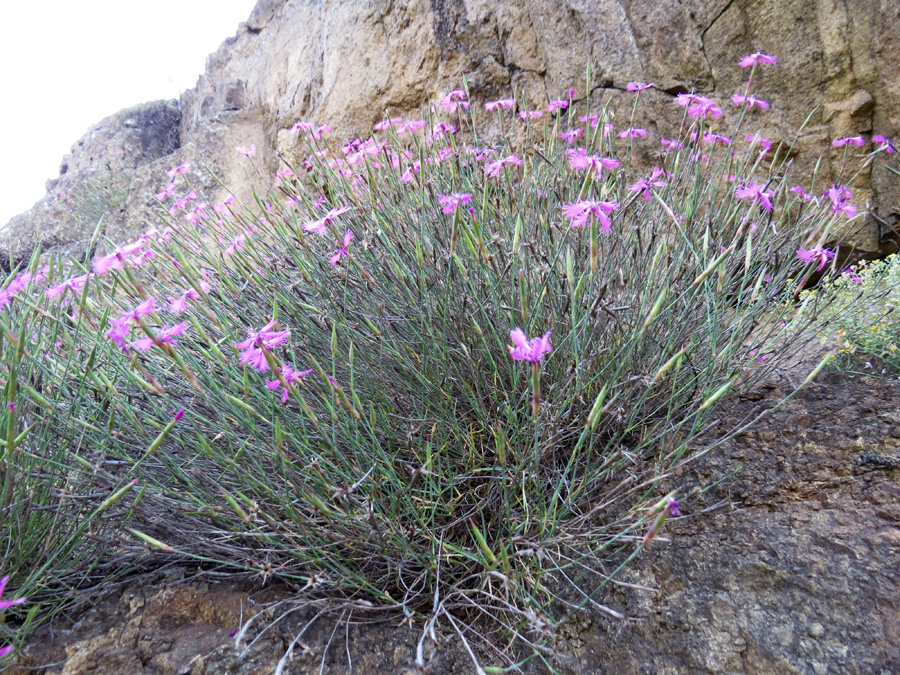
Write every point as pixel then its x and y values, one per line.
pixel 862 321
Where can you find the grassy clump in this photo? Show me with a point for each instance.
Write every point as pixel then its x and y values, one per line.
pixel 416 465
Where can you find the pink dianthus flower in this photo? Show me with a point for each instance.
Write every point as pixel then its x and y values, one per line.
pixel 500 104
pixel 757 193
pixel 493 169
pixel 750 101
pixel 532 350
pixel 757 58
pixel 449 203
pixel 632 133
pixel 811 255
pixel 557 105
pixel 166 335
pixel 858 141
pixel 580 212
pixel 318 226
pixel 580 160
pixel 290 376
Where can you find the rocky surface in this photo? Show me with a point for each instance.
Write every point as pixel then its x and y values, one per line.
pixel 95 181
pixel 788 564
pixel 796 574
pixel 350 64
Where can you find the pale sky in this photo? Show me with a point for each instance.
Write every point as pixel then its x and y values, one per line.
pixel 67 64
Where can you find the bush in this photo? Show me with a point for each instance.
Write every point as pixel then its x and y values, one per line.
pixel 320 386
pixel 861 320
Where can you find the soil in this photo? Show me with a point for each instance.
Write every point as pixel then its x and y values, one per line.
pixel 788 564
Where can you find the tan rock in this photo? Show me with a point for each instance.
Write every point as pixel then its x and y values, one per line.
pixel 350 64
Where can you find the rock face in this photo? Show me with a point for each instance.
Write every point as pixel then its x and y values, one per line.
pixel 349 64
pixel 95 180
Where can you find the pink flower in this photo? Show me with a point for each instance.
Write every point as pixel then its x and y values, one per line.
pixel 757 58
pixel 442 128
pixel 581 211
pixel 803 195
pixel 5 604
pixel 532 351
pixel 165 335
pixel 179 305
pixel 318 226
pixel 557 105
pixel 840 197
pixel 449 203
pixel 886 144
pixel 493 169
pixel 145 308
pixel 698 106
pixel 342 251
pixel 750 101
pixel 854 277
pixel 580 160
pixel 74 284
pixel 307 127
pixel 858 141
pixel 669 509
pixel 119 332
pixel 249 151
pixel 265 337
pixel 179 170
pixel 16 285
pixel 115 259
pixel 168 191
pixel 41 275
pixel 235 245
pixel 671 145
pixel 255 358
pixel 500 104
pixel 290 376
pixel 710 138
pixel 811 255
pixel 259 343
pixel 646 183
pixel 638 86
pixel 480 153
pixel 570 135
pixel 141 260
pixel 410 126
pixel 757 193
pixel 530 114
pixel 632 133
pixel 454 100
pixel 387 123
pixel 757 139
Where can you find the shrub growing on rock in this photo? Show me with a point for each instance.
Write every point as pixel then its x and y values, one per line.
pixel 442 376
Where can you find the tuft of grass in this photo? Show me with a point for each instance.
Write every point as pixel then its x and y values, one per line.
pixel 318 386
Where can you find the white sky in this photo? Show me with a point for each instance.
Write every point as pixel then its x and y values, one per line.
pixel 67 64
